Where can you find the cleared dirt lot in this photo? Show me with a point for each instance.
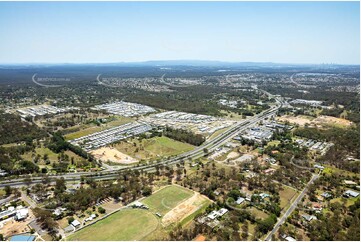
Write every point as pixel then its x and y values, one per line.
pixel 184 209
pixel 300 120
pixel 11 227
pixel 113 155
pixel 319 121
pixel 332 120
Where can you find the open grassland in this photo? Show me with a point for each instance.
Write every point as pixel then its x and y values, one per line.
pixel 332 121
pixel 75 156
pixel 273 143
pixel 2 192
pixel 153 148
pixel 218 132
pixel 83 132
pixel 251 230
pixel 321 120
pixel 300 119
pixel 258 213
pixel 349 201
pixel 286 195
pixel 53 157
pixel 167 198
pixel 232 115
pixel 166 146
pixel 92 128
pixel 9 145
pixel 130 224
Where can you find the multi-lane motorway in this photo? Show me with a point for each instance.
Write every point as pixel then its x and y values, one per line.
pixel 210 145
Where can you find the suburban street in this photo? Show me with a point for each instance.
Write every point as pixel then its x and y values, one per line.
pixel 291 208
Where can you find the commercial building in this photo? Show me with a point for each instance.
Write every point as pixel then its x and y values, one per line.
pixel 105 137
pixel 42 110
pixel 125 109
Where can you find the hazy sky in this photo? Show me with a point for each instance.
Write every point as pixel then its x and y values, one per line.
pixel 284 32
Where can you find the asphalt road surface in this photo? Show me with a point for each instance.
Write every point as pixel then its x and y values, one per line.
pixel 290 209
pixel 199 151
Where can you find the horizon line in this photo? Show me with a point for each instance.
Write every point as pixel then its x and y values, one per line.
pixel 176 60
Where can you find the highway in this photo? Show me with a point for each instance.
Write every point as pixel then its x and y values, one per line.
pixel 290 209
pixel 211 145
pixel 293 81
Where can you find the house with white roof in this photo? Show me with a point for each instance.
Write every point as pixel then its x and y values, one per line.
pixel 222 211
pixel 350 193
pixel 240 200
pixel 75 223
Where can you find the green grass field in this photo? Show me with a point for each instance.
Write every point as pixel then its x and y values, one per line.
pixel 153 148
pixel 330 169
pixel 167 198
pixel 349 201
pixel 166 146
pixel 232 115
pixel 83 132
pixel 90 129
pixel 53 157
pixel 258 213
pixel 130 224
pixel 273 143
pixel 218 132
pixel 2 192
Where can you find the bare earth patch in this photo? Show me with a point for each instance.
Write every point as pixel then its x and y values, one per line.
pixel 332 120
pixel 233 155
pixel 184 209
pixel 320 120
pixel 244 158
pixel 11 227
pixel 300 120
pixel 113 155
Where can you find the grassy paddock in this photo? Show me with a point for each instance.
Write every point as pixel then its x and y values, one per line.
pixel 130 224
pixel 53 157
pixel 153 148
pixel 258 213
pixel 2 192
pixel 83 132
pixel 286 195
pixel 90 129
pixel 218 132
pixel 167 198
pixel 167 146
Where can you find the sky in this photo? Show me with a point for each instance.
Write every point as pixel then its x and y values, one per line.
pixel 107 32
